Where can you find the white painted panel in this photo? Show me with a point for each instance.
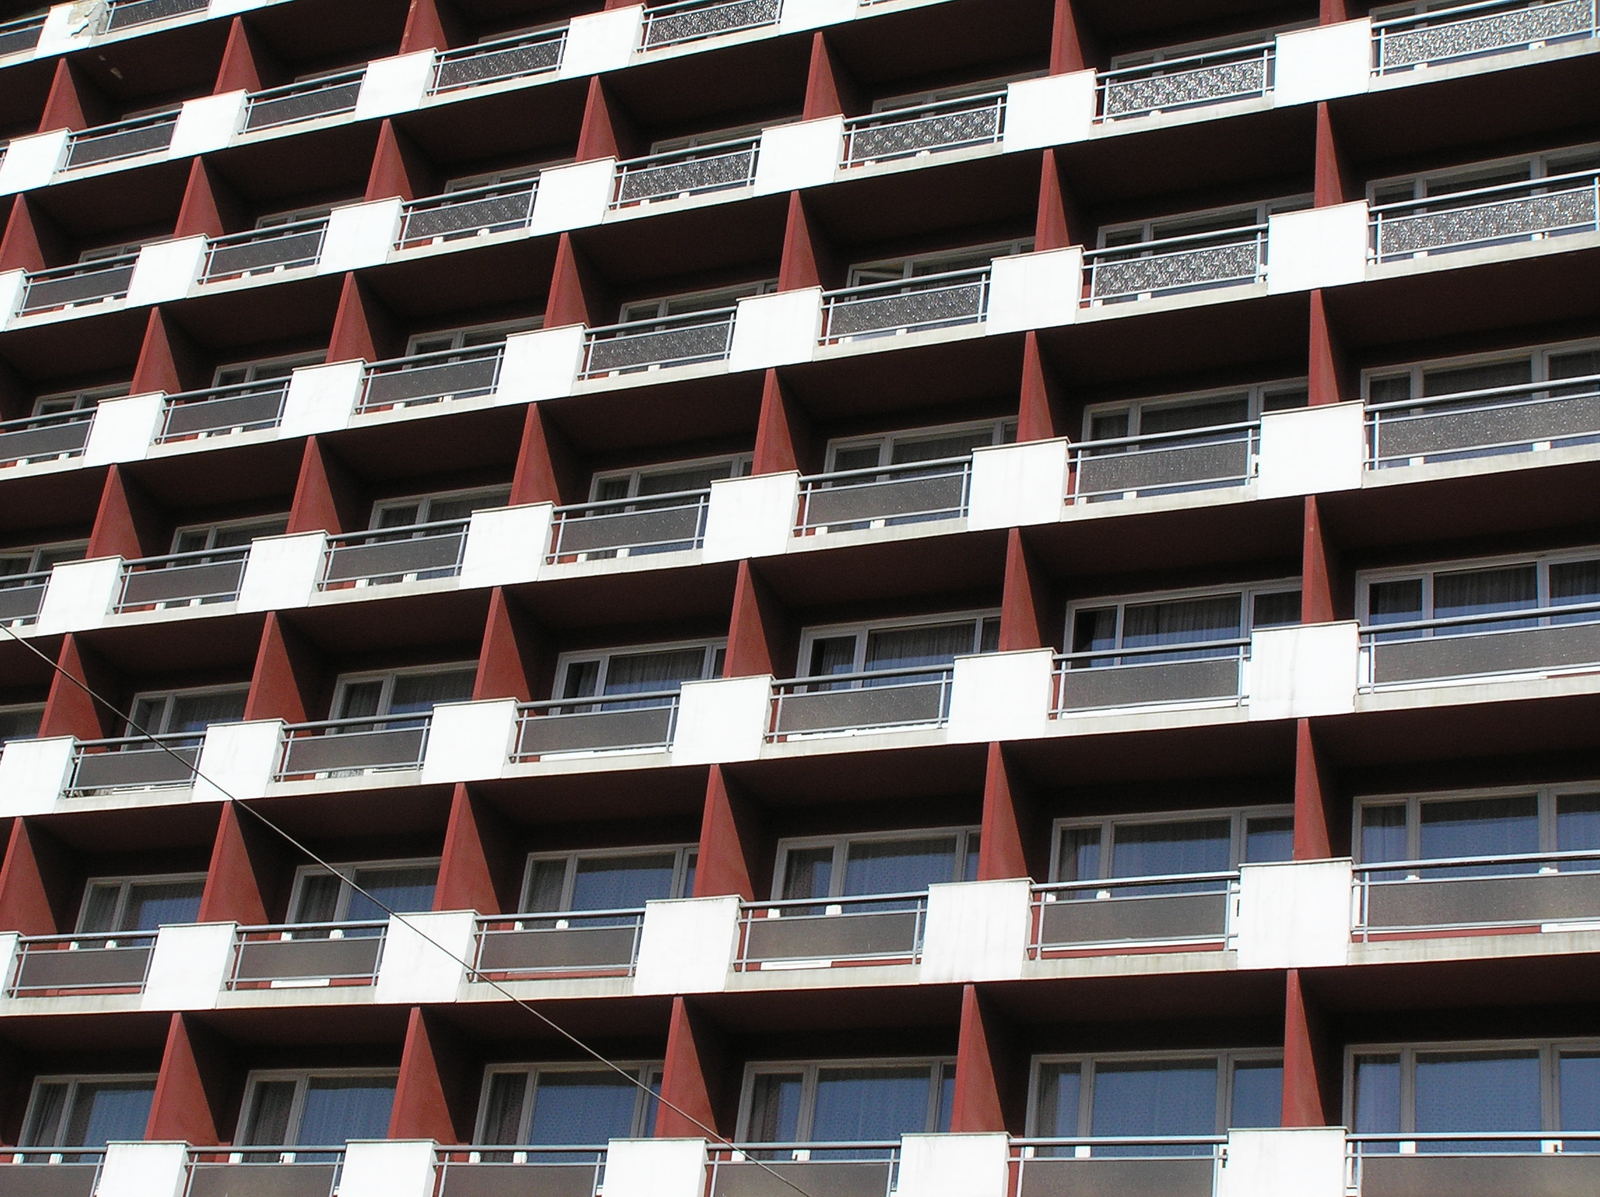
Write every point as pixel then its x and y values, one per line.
pixel 1001 696
pixel 320 398
pixel 976 931
pixel 687 945
pixel 415 970
pixel 776 330
pixel 1316 247
pixel 189 966
pixel 505 545
pixel 33 773
pixel 812 14
pixel 602 41
pixel 1294 914
pixel 975 1165
pixel 394 84
pixel 469 741
pixel 575 196
pixel 655 1168
pixel 1053 110
pixel 751 517
pixel 359 235
pixel 166 270
pixel 1309 450
pixel 388 1168
pixel 540 365
pixel 1304 670
pixel 1323 62
pixel 31 161
pixel 721 720
pixel 124 428
pixel 804 154
pixel 149 1169
pixel 237 760
pixel 80 594
pixel 207 123
pixel 1014 485
pixel 1038 290
pixel 1303 1161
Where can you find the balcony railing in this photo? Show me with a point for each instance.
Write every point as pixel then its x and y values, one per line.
pixel 1192 81
pixel 1486 423
pixel 591 943
pixel 504 58
pixel 412 553
pixel 657 344
pixel 1474 30
pixel 477 212
pixel 124 14
pixel 880 699
pixel 54 965
pixel 21 596
pixel 693 171
pixel 431 377
pixel 266 1171
pixel 346 747
pixel 1175 265
pixel 629 527
pixel 610 723
pixel 1523 640
pixel 690 20
pixel 503 1171
pixel 181 579
pixel 1183 909
pixel 18 37
pixel 824 932
pixel 1205 672
pixel 125 139
pixel 217 411
pixel 1533 210
pixel 907 132
pixel 79 283
pixel 1558 1162
pixel 302 101
pixel 45 438
pixel 1473 892
pixel 338 953
pixel 133 763
pixel 265 251
pixel 885 309
pixel 884 496
pixel 1169 1165
pixel 865 1169
pixel 1164 463
pixel 51 1171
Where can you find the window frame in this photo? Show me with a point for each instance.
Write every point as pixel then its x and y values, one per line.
pixel 459 335
pixel 1539 166
pixel 83 399
pixel 644 1072
pixel 1547 798
pixel 73 1081
pixel 716 299
pixel 1226 1060
pixel 965 835
pixel 681 870
pixel 346 871
pixel 1257 396
pixel 810 1070
pixel 388 677
pixel 252 368
pixel 863 629
pixel 211 531
pixel 1239 818
pixel 36 555
pixel 18 708
pixel 957 91
pixel 907 264
pixel 1208 45
pixel 168 700
pixel 1427 572
pixel 302 1078
pixel 1247 594
pixel 1250 215
pixel 739 466
pixel 603 657
pixel 125 885
pixel 426 500
pixel 1002 431
pixel 1537 356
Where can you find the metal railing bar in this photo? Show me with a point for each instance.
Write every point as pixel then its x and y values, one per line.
pixel 1382 629
pixel 1237 235
pixel 1448 197
pixel 1492 392
pixel 1208 56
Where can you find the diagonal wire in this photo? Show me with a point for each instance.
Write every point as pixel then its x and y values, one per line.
pixel 471 969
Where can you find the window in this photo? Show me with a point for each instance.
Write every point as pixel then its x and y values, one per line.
pixel 914 445
pixel 177 712
pixel 266 370
pixel 277 220
pixel 859 1101
pixel 1168 845
pixel 402 692
pixel 120 904
pixel 1456 179
pixel 890 863
pixel 1153 1097
pixel 1099 631
pixel 621 672
pixel 20 722
pixel 1472 596
pixel 436 509
pixel 494 178
pixel 977 257
pixel 1255 37
pixel 879 647
pixel 711 137
pixel 675 478
pixel 692 302
pixel 110 253
pixel 39 559
pixel 1194 224
pixel 87 1111
pixel 556 1105
pixel 85 400
pixel 320 1109
pixel 359 893
pixel 1150 417
pixel 461 339
pixel 957 92
pixel 616 879
pixel 235 535
pixel 678 487
pixel 1503 1087
pixel 1445 827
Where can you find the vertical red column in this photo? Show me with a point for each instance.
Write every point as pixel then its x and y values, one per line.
pixel 1040 413
pixel 363 329
pixel 1007 830
pixel 396 168
pixel 435 1091
pixel 1310 1060
pixel 326 497
pixel 576 296
pixel 1325 593
pixel 31 241
pixel 547 470
pixel 167 359
pixel 426 28
pixel 807 260
pixel 985 1096
pixel 1314 798
pixel 1027 608
pixel 287 681
pixel 68 708
pixel 733 856
pixel 508 657
pixel 71 102
pixel 698 1091
pixel 127 524
pixel 38 887
pixel 250 873
pixel 198 1089
pixel 830 89
pixel 1072 46
pixel 479 868
pixel 247 65
pixel 783 431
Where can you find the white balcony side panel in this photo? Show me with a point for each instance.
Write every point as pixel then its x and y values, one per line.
pixel 1294 914
pixel 602 41
pixel 804 154
pixel 33 774
pixel 320 398
pixel 66 27
pixel 1001 696
pixel 655 1168
pixel 123 428
pixel 413 969
pixel 1054 110
pixel 813 14
pixel 359 235
pixel 1301 671
pixel 237 760
pixel 751 517
pixel 282 571
pixel 469 741
pixel 721 720
pixel 776 330
pixel 188 967
pixel 573 197
pixel 166 270
pixel 31 161
pixel 975 1165
pixel 1305 1161
pixel 207 123
pixel 1038 290
pixel 1323 62
pixel 8 959
pixel 227 8
pixel 1309 450
pixel 11 284
pixel 1013 485
pixel 388 1168
pixel 687 945
pixel 505 545
pixel 540 365
pixel 80 594
pixel 1316 247
pixel 150 1169
pixel 394 84
pixel 976 931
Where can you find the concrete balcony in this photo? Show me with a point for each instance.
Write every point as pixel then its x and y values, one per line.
pixel 843 704
pixel 491 1171
pixel 124 139
pixel 1164 463
pixel 1176 265
pixel 681 173
pixel 181 580
pixel 1536 642
pixel 1475 1164
pixel 47 966
pixel 1477 30
pixel 1548 892
pixel 648 345
pixel 1211 673
pixel 1118 914
pixel 1185 82
pixel 417 552
pixel 891 309
pixel 307 954
pixel 666 523
pixel 578 943
pixel 1533 417
pixel 622 723
pixel 691 20
pixel 306 100
pixel 222 411
pixel 55 437
pixel 472 212
pixel 1535 210
pixel 891 496
pixel 430 378
pixel 924 129
pixel 348 747
pixel 264 251
pixel 132 763
pixel 824 933
pixel 73 286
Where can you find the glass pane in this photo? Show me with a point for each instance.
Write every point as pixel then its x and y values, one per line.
pixel 271 1104
pixel 405 890
pixel 775 1108
pixel 196 712
pixel 1094 630
pixel 1383 833
pixel 668 482
pixel 150 904
pixel 582 679
pixel 1577 825
pixel 319 899
pixel 419 692
pixel 807 873
pixel 398 515
pixel 900 648
pixel 106 1110
pixel 1178 417
pixel 1478 1092
pixel 1579 1078
pixel 1395 602
pixel 582 1108
pixel 1276 610
pixel 832 654
pixel 100 908
pixel 338 1109
pixel 1080 854
pixel 932 448
pixel 44 1116
pixel 1480 827
pixel 622 882
pixel 1059 1088
pixel 870 1104
pixel 641 673
pixel 1377 1097
pixel 1573 583
pixel 358 700
pixel 1257 1093
pixel 1485 376
pixel 1268 839
pixel 1157 849
pixel 1185 621
pixel 1109 426
pixel 1167 1097
pixel 898 866
pixel 1473 592
pixel 858 457
pixel 502 1109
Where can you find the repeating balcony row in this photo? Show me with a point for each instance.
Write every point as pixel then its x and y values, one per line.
pixel 1296 67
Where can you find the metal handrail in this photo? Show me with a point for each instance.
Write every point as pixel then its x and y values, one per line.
pixel 1435 15
pixel 817 909
pixel 898 671
pixel 651 324
pixel 896 116
pixel 320 83
pixel 282 928
pixel 1156 68
pixel 121 743
pixel 199 557
pixel 1410 625
pixel 995 101
pixel 1440 862
pixel 552 704
pixel 401 532
pixel 644 502
pixel 1041 889
pixel 73 269
pixel 1359 1137
pixel 111 129
pixel 407 717
pixel 1181 433
pixel 1492 392
pixel 816 481
pixel 496 46
pixel 23 581
pixel 676 6
pixel 270 233
pixel 467 195
pixel 1063 659
pixel 910 285
pixel 723 317
pixel 232 390
pixel 76 415
pixel 574 920
pixel 688 153
pixel 1021 1146
pixel 88 936
pixel 752 909
pixel 392 364
pixel 1139 247
pixel 1494 189
pixel 94 941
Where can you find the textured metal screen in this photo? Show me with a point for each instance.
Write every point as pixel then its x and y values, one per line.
pixel 432 381
pixel 92 284
pixel 1132 685
pixel 1571 210
pixel 469 67
pixel 1402 434
pixel 1117 1178
pixel 1163 464
pixel 710 172
pixel 866 1178
pixel 214 580
pixel 384 558
pixel 272 110
pixel 261 1180
pixel 866 706
pixel 868 499
pixel 1209 266
pixel 83 968
pixel 448 218
pixel 824 937
pixel 518 1180
pixel 56 439
pixel 20 602
pixel 661 347
pixel 136 768
pixel 16 38
pixel 1466 655
pixel 289 959
pixel 354 750
pixel 686 23
pixel 611 530
pixel 1484 900
pixel 48 1180
pixel 1494 33
pixel 642 727
pixel 877 142
pixel 1210 84
pixel 142 12
pixel 230 258
pixel 86 149
pixel 1197 917
pixel 1526 1175
pixel 567 948
pixel 261 408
